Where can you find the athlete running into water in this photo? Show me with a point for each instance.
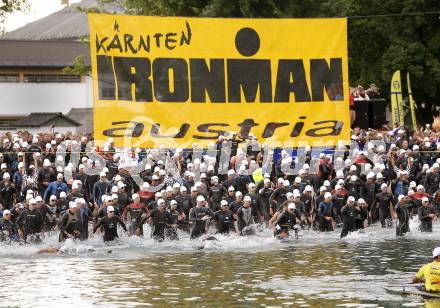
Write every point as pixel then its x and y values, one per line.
pixel 69 225
pixel 160 220
pixel 285 220
pixel 110 225
pixel 133 213
pixel 198 218
pixel 348 214
pixel 224 218
pixel 245 219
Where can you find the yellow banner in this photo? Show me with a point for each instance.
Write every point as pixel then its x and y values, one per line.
pixel 396 100
pixel 411 102
pixel 172 81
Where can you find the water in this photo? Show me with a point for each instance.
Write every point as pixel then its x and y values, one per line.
pixel 316 270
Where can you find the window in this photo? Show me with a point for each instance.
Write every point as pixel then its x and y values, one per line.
pixel 9 78
pixel 47 78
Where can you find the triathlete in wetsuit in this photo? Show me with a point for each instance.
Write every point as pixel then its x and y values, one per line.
pixel 426 215
pixel 135 211
pixel 339 200
pixel 224 219
pixel 8 229
pixel 160 218
pixel 263 199
pixel 31 222
pixel 198 217
pixel 384 201
pixel 245 220
pixel 325 212
pixel 216 193
pixel 361 213
pixel 403 215
pixel 185 204
pixel 287 220
pixel 348 215
pixel 70 226
pixel 176 218
pixel 110 225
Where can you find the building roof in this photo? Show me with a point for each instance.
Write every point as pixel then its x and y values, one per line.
pixel 83 116
pixel 41 53
pixel 70 23
pixel 38 119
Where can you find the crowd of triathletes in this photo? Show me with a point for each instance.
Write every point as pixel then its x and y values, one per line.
pixel 353 190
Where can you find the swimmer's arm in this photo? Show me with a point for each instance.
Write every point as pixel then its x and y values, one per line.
pixel 122 224
pixel 63 223
pixel 144 219
pixel 97 225
pixel 192 215
pixel 272 201
pixel 321 210
pixel 273 219
pixel 210 213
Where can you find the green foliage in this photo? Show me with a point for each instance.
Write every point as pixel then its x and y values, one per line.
pixel 378 46
pixel 78 68
pixel 9 6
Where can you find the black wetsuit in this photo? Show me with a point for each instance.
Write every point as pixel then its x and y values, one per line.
pixel 235 206
pixel 46 214
pixel 85 215
pixel 160 219
pixel 224 221
pixel 69 224
pixel 338 202
pixel 325 210
pixel 31 221
pixel 8 230
pixel 308 208
pixel 403 217
pixel 384 199
pixel 361 214
pixel 245 219
pixel 135 211
pixel 368 192
pixel 286 221
pixel 185 204
pixel 171 232
pixel 277 198
pixel 110 226
pixel 348 214
pixel 425 220
pixel 62 206
pixel 199 225
pixel 254 206
pixel 216 193
pixel 263 201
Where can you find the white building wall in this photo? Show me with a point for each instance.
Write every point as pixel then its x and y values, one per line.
pixel 24 98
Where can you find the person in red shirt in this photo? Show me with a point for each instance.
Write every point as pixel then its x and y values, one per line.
pixel 420 194
pixel 133 214
pixel 352 110
pixel 145 194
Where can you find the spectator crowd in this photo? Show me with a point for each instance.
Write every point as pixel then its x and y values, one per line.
pixel 385 175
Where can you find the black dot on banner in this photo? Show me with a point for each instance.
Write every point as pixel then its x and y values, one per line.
pixel 247 42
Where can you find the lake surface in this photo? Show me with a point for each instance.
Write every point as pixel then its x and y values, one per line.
pixel 316 270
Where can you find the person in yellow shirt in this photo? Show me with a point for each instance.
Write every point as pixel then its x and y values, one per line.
pixel 430 273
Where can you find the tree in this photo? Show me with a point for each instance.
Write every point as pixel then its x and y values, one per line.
pixel 377 45
pixel 9 6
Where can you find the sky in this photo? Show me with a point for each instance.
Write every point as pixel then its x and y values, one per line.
pixel 38 9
